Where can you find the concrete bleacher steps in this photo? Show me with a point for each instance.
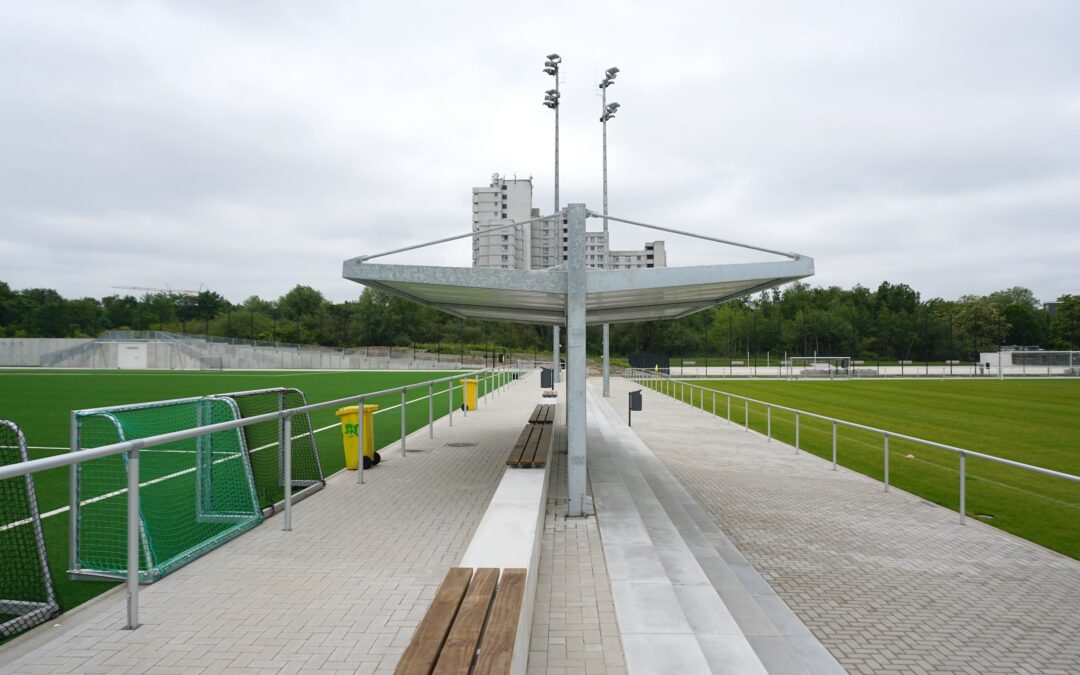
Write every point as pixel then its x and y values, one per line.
pixel 686 600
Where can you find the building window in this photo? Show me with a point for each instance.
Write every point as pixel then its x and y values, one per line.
pixel 505 237
pixel 505 258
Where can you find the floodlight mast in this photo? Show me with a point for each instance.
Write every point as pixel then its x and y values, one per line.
pixel 607 112
pixel 551 100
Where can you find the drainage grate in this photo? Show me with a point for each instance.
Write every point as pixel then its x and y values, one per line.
pixel 464 444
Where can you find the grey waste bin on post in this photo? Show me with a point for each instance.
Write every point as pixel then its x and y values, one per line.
pixel 546 380
pixel 635 404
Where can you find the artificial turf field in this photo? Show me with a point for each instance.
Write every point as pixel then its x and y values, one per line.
pixel 1031 421
pixel 40 402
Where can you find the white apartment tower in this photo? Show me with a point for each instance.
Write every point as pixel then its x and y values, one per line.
pixel 536 246
pixel 504 201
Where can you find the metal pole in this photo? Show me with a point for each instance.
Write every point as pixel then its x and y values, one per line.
pixel 360 439
pixel 729 409
pixel 575 360
pixel 886 462
pixel 746 414
pixel 133 540
pixel 607 246
pixel 834 445
pixel 450 401
pixel 287 472
pixel 768 422
pixel 403 390
pixel 714 404
pixel 73 498
pixel 430 410
pixel 796 433
pixel 963 485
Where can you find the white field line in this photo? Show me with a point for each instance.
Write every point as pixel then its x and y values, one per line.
pixel 117 493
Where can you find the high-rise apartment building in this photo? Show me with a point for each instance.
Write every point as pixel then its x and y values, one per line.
pixel 538 245
pixel 504 201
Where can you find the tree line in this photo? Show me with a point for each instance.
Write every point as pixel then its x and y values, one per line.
pixel 891 322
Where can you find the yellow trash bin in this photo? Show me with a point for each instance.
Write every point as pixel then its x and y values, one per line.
pixel 469 387
pixel 350 437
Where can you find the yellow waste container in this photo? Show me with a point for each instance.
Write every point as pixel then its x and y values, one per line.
pixel 469 386
pixel 350 437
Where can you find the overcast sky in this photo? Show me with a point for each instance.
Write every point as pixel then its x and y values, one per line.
pixel 247 147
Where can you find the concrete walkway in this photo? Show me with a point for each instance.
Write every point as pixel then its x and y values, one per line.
pixel 886 581
pixel 342 592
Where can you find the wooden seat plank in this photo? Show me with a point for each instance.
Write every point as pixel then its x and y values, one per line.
pixel 460 648
pixel 519 446
pixel 540 456
pixel 423 650
pixel 537 412
pixel 533 448
pixel 497 647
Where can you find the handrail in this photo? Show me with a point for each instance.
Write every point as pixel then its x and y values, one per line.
pixel 499 376
pixel 893 434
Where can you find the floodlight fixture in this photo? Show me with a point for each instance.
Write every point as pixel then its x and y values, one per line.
pixel 554 57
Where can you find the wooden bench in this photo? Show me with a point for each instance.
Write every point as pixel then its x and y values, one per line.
pixel 543 414
pixel 531 449
pixel 470 626
pixel 550 394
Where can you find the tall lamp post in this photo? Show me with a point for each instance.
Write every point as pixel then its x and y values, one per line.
pixel 551 100
pixel 607 112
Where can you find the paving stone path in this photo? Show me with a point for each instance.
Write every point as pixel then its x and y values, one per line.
pixel 886 581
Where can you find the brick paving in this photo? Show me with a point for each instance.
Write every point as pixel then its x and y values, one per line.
pixel 574 626
pixel 886 581
pixel 343 592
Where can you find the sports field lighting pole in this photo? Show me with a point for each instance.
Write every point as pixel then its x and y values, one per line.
pixel 607 112
pixel 551 100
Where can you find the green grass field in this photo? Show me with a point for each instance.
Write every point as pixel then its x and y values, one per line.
pixel 1029 421
pixel 40 402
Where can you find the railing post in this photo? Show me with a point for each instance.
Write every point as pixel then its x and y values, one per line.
pixel 286 471
pixel 963 485
pixel 886 462
pixel 133 540
pixel 796 433
pixel 360 440
pixel 834 445
pixel 729 409
pixel 768 422
pixel 403 390
pixel 714 404
pixel 450 401
pixel 73 499
pixel 431 410
pixel 746 413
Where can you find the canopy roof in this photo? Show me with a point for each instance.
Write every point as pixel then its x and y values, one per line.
pixel 539 296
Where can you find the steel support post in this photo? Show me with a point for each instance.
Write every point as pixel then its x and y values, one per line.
pixel 963 486
pixel 430 410
pixel 450 401
pixel 576 371
pixel 286 471
pixel 834 445
pixel 886 462
pixel 796 433
pixel 403 390
pixel 768 422
pixel 555 353
pixel 607 360
pixel 360 441
pixel 746 414
pixel 133 540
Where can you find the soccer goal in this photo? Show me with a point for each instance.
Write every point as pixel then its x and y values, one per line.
pixel 27 594
pixel 266 450
pixel 194 494
pixel 819 367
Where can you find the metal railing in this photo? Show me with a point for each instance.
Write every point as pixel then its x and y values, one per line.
pixel 677 389
pixel 494 380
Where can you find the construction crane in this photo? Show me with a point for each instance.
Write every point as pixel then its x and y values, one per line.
pixel 177 291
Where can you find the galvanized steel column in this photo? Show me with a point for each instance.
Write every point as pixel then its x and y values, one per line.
pixel 575 359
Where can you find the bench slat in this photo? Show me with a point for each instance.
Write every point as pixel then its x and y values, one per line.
pixel 497 648
pixel 519 447
pixel 540 456
pixel 537 412
pixel 423 650
pixel 460 648
pixel 533 448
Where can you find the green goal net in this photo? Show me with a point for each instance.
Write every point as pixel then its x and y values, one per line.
pixel 194 494
pixel 265 449
pixel 27 594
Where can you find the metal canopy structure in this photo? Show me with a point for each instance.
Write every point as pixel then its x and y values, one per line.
pixel 575 295
pixel 539 296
